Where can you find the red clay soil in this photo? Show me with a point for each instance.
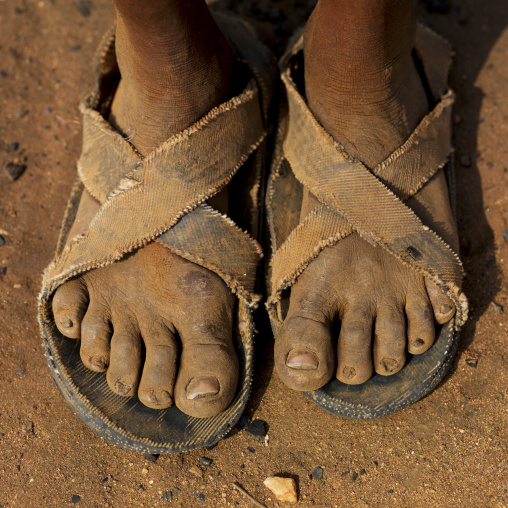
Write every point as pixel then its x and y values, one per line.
pixel 448 450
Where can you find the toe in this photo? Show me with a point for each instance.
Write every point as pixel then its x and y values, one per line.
pixel 304 352
pixel 421 330
pixel 208 373
pixel 444 308
pixel 125 359
pixel 95 338
pixel 354 357
pixel 69 307
pixel 159 371
pixel 389 349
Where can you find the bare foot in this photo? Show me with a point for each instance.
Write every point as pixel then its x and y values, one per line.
pixel 362 84
pixel 159 325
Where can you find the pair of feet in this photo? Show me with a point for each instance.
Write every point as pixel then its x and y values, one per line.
pixel 162 326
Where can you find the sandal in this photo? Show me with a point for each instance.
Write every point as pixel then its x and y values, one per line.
pixel 119 178
pixel 306 156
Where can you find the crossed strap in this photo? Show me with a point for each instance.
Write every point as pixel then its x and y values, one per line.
pixel 371 203
pixel 162 196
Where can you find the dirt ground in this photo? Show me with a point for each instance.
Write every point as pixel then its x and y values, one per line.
pixel 447 450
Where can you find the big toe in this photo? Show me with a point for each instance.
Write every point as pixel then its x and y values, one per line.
pixel 69 306
pixel 304 352
pixel 208 373
pixel 443 306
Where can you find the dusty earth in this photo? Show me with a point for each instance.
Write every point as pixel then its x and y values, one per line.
pixel 445 451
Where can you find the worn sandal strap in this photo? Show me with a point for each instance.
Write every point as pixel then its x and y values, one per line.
pixel 144 197
pixel 354 198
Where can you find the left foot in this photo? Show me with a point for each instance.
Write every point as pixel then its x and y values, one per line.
pixel 361 83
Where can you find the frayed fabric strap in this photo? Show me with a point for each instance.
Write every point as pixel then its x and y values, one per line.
pixel 141 198
pixel 362 201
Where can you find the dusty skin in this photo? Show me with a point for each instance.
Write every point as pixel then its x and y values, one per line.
pixel 119 310
pixel 167 83
pixel 366 91
pixel 445 451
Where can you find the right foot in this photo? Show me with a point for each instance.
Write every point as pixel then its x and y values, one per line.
pixel 179 313
pixel 362 84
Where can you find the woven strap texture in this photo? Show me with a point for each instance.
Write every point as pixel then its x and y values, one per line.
pixel 371 203
pixel 151 198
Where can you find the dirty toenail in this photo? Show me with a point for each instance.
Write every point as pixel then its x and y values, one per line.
pixel 66 322
pixel 418 343
pixel 122 389
pixel 390 364
pixel 445 309
pixel 160 397
pixel 98 361
pixel 349 372
pixel 302 360
pixel 202 387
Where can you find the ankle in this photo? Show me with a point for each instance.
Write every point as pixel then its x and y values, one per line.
pixel 168 85
pixel 367 94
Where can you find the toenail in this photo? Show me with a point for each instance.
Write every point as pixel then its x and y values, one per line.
pixel 445 309
pixel 122 389
pixel 302 360
pixel 202 387
pixel 98 361
pixel 418 343
pixel 66 322
pixel 390 364
pixel 160 397
pixel 349 372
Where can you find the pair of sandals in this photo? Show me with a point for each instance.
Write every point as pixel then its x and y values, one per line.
pixel 172 206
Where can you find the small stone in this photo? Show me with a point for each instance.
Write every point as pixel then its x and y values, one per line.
pixel 48 110
pixel 252 450
pixel 27 427
pixel 84 7
pixel 355 476
pixel 390 491
pixel 465 161
pixel 505 234
pixel 20 372
pixel 345 473
pixel 196 471
pixel 205 461
pixel 176 490
pixel 167 496
pixel 14 171
pixel 150 457
pixel 21 113
pixel 257 429
pixel 318 473
pixel 14 146
pixel 3 74
pixel 284 489
pixel 362 472
pixel 499 309
pixel 16 286
pixel 201 497
pixel 2 240
pixel 144 471
pixel 3 270
pixel 244 420
pixel 472 362
pixel 75 499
